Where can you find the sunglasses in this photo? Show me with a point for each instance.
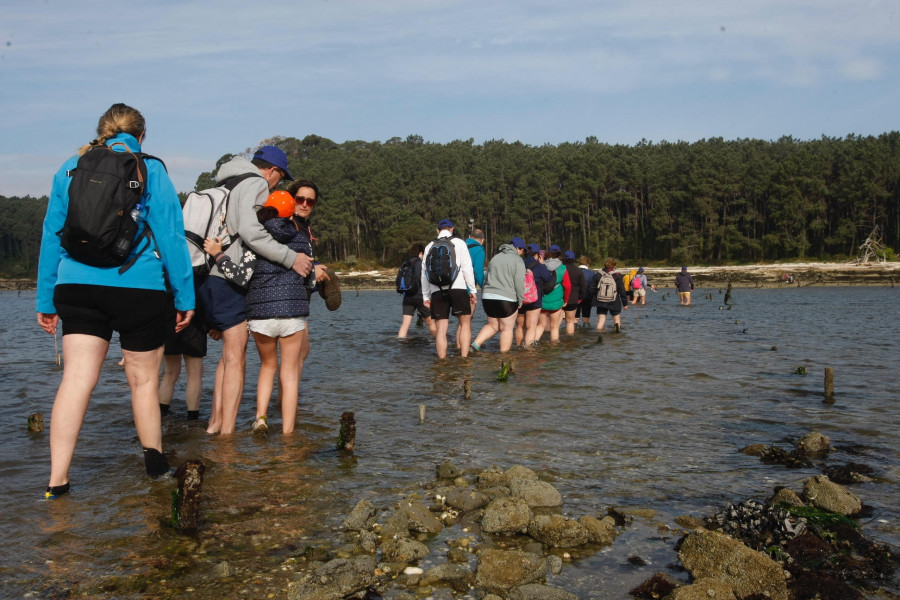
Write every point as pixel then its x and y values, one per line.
pixel 308 201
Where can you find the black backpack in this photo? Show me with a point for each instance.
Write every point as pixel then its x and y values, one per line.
pixel 441 268
pixel 104 207
pixel 407 283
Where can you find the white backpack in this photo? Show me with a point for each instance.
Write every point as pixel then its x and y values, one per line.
pixel 204 215
pixel 606 287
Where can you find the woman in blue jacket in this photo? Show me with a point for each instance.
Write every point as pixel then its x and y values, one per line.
pixel 92 302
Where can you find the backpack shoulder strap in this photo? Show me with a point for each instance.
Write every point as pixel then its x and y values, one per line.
pixel 231 183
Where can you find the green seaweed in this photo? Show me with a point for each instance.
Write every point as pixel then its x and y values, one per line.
pixel 173 520
pixel 822 518
pixel 505 370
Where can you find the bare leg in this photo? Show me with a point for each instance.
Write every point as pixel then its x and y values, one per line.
pixel 142 370
pixel 170 377
pixel 506 326
pixel 601 321
pixel 289 377
pixel 194 367
pixel 440 338
pixel 215 411
pixel 404 326
pixel 570 322
pixel 532 317
pixel 83 357
pixel 488 331
pixel 554 320
pixel 464 334
pixel 234 357
pixel 268 358
pixel 541 325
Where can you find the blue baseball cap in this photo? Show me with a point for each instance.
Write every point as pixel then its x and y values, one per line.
pixel 275 156
pixel 518 242
pixel 555 248
pixel 641 270
pixel 534 248
pixel 569 255
pixel 445 223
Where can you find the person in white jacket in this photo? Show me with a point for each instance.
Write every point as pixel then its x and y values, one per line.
pixel 458 298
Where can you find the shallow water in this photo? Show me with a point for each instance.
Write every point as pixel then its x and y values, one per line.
pixel 651 418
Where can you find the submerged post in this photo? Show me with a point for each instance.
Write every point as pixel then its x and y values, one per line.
pixel 728 293
pixel 36 423
pixel 186 498
pixel 829 385
pixel 467 389
pixel 347 434
pixel 421 413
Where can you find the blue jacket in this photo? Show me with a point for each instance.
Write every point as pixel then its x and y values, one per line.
pixel 541 274
pixel 276 291
pixel 476 251
pixel 162 214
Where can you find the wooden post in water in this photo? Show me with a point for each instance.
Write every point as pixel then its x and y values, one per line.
pixel 36 423
pixel 728 293
pixel 421 413
pixel 186 499
pixel 829 386
pixel 347 434
pixel 467 389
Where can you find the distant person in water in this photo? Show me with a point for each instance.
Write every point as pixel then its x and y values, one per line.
pixel 457 299
pixel 412 298
pixel 684 283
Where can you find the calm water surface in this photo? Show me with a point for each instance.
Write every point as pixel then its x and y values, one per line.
pixel 651 418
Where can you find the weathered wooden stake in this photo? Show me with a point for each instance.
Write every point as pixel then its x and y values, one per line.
pixel 467 389
pixel 505 370
pixel 421 413
pixel 728 293
pixel 186 499
pixel 829 385
pixel 36 423
pixel 347 435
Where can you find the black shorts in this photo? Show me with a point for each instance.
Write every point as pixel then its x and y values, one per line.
pixel 441 304
pixel 533 306
pixel 225 303
pixel 413 304
pixel 570 307
pixel 602 310
pixel 499 309
pixel 584 310
pixel 141 317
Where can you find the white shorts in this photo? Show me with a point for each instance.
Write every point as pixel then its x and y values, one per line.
pixel 640 293
pixel 277 328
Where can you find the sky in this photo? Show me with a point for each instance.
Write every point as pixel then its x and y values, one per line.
pixel 214 77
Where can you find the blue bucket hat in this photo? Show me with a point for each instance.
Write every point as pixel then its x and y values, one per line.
pixel 534 248
pixel 275 156
pixel 445 223
pixel 555 248
pixel 518 242
pixel 569 255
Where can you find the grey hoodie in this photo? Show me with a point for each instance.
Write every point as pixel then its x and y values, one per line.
pixel 245 199
pixel 506 274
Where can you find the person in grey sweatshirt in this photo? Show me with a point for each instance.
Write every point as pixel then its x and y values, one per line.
pixel 225 303
pixel 504 292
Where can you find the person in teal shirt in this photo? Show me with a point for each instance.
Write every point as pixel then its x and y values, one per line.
pixel 92 302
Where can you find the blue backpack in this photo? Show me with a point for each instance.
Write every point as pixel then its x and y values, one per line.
pixel 441 267
pixel 407 283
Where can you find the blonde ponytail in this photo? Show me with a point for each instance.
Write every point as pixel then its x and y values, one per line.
pixel 120 118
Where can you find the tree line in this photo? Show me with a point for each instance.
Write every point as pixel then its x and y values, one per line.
pixel 714 201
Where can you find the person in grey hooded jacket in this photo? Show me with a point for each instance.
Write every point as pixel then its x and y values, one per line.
pixel 504 292
pixel 225 302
